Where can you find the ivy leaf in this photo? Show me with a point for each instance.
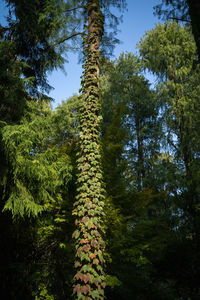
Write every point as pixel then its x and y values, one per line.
pixel 76 234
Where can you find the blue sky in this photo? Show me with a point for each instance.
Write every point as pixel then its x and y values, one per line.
pixel 138 19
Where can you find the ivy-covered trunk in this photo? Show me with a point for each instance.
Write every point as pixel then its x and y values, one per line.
pixel 88 209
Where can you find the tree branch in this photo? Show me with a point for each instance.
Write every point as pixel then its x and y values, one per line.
pixel 4 29
pixel 179 19
pixel 67 38
pixel 72 9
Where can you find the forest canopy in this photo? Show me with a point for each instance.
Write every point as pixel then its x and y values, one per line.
pixel 100 196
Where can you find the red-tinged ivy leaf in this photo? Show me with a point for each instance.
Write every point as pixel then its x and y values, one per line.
pixel 77 264
pixel 86 278
pixel 92 255
pixel 85 219
pixel 96 261
pixel 79 250
pixel 78 275
pixel 77 289
pixel 85 289
pixel 84 241
pixel 86 248
pixel 83 229
pixel 83 277
pixel 94 244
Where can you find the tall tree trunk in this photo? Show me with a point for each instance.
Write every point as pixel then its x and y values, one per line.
pixel 140 169
pixel 88 209
pixel 194 12
pixel 185 149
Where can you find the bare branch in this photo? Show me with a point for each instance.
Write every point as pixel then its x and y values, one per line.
pixel 67 38
pixel 72 9
pixel 179 19
pixel 4 29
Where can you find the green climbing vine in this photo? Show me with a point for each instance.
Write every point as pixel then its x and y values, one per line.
pixel 89 244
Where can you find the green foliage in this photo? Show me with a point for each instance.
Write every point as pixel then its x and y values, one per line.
pixel 131 217
pixel 170 52
pixel 43 254
pixel 38 168
pixel 134 189
pixel 88 209
pixel 133 109
pixel 38 29
pixel 12 86
pixel 182 11
pixel 175 52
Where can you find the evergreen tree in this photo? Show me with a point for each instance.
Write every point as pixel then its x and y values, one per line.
pixel 169 51
pixel 39 30
pixel 39 262
pixel 184 11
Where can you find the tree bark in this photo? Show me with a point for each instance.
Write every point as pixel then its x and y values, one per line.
pixel 88 209
pixel 140 169
pixel 194 12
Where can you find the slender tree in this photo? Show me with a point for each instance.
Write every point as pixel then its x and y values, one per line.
pixel 89 281
pixel 89 278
